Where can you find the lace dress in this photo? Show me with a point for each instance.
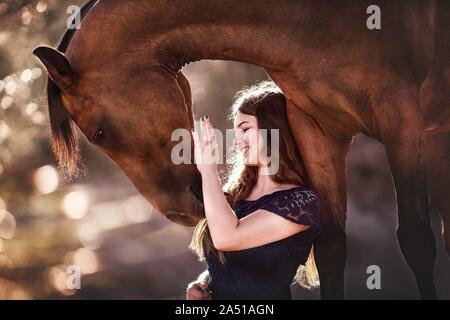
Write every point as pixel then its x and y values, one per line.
pixel 267 271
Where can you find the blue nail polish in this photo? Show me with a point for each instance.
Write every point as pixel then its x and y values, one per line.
pixel 206 117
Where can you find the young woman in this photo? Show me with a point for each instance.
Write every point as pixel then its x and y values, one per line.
pixel 255 236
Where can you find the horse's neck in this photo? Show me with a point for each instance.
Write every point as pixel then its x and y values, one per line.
pixel 258 32
pixel 248 31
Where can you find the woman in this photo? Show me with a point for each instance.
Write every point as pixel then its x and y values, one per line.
pixel 256 236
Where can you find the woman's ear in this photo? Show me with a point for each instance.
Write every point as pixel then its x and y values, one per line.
pixel 58 68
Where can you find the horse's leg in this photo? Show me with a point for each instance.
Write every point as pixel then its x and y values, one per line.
pixel 401 131
pixel 435 95
pixel 324 159
pixel 438 153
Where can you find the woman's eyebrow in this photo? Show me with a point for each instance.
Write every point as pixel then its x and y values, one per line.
pixel 240 124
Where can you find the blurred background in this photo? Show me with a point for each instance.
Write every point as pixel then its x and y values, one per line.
pixel 123 247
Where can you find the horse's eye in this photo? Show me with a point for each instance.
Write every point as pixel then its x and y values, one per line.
pixel 99 136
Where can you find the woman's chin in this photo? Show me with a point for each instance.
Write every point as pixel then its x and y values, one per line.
pixel 250 163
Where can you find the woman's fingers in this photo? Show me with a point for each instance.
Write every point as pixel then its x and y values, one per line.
pixel 198 291
pixel 203 286
pixel 197 146
pixel 208 130
pixel 203 131
pixel 205 290
pixel 212 133
pixel 206 140
pixel 206 148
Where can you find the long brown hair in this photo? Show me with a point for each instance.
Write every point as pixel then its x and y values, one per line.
pixel 267 103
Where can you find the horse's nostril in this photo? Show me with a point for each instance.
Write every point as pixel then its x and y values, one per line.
pixel 196 189
pixel 180 218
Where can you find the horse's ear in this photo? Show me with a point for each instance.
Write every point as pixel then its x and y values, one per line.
pixel 57 66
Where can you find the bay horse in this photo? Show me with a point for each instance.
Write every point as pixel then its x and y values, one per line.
pixel 118 78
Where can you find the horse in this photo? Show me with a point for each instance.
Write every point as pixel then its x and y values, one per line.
pixel 119 79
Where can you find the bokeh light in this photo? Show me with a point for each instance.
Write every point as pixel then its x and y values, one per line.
pixel 7 224
pixel 26 75
pixel 86 260
pixel 6 102
pixel 26 17
pixel 46 179
pixel 41 6
pixel 57 277
pixel 10 85
pixel 75 204
pixel 90 235
pixel 5 131
pixel 36 73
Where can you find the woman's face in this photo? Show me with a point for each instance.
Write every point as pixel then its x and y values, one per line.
pixel 248 139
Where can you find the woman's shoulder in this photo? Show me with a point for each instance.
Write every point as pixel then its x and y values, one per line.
pixel 299 204
pixel 303 193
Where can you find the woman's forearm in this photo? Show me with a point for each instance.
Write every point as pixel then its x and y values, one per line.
pixel 222 220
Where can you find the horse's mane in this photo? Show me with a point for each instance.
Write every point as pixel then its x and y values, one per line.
pixel 64 140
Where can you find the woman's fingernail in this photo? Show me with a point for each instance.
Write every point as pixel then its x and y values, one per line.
pixel 206 116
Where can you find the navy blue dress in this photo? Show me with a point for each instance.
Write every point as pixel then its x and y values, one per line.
pixel 267 271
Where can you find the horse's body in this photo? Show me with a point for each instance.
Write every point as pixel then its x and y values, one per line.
pixel 121 74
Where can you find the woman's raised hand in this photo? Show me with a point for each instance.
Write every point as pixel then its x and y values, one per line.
pixel 206 150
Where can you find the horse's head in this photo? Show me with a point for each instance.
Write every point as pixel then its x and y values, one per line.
pixel 129 114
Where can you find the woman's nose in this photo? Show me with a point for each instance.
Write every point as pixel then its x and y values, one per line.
pixel 237 139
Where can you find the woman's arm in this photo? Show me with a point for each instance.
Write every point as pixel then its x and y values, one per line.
pixel 228 233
